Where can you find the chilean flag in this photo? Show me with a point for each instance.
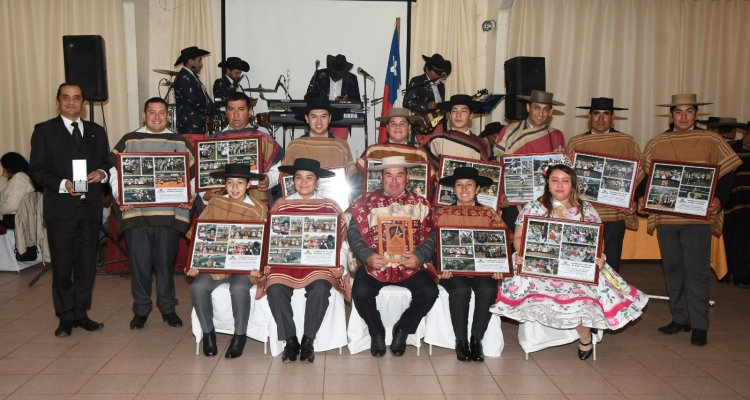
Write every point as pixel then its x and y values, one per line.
pixel 392 83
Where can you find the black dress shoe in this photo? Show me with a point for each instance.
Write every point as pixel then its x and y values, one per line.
pixel 172 319
pixel 138 322
pixel 291 349
pixel 209 344
pixel 477 350
pixel 673 328
pixel 64 329
pixel 87 324
pixel 726 279
pixel 398 344
pixel 742 282
pixel 377 344
pixel 462 350
pixel 307 352
pixel 699 337
pixel 236 346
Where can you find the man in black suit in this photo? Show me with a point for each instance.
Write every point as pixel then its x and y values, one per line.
pixel 73 218
pixel 189 93
pixel 335 83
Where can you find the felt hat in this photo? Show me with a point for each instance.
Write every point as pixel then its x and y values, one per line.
pixel 307 164
pixel 338 65
pixel 715 122
pixel 235 63
pixel 602 103
pixel 540 96
pixel 393 162
pixel 491 129
pixel 466 173
pixel 236 171
pixel 318 103
pixel 683 99
pixel 460 100
pixel 438 64
pixel 397 112
pixel 189 53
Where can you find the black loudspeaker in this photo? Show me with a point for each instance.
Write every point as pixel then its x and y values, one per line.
pixel 86 65
pixel 522 75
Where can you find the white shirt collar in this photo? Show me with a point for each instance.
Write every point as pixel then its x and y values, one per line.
pixel 229 127
pixel 188 70
pixel 144 129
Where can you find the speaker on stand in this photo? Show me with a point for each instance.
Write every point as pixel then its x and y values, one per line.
pixel 86 65
pixel 522 75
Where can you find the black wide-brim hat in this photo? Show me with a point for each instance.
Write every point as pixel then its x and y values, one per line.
pixel 235 63
pixel 318 103
pixel 307 164
pixel 602 103
pixel 460 100
pixel 491 129
pixel 438 64
pixel 338 65
pixel 189 53
pixel 466 173
pixel 236 171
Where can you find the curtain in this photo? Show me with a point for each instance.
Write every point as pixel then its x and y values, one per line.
pixel 192 25
pixel 446 27
pixel 31 43
pixel 638 52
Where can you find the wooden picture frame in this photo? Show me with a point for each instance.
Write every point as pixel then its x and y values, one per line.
pixel 523 180
pixel 488 196
pixel 417 184
pixel 561 249
pixel 295 240
pixel 330 188
pixel 153 179
pixel 397 238
pixel 211 155
pixel 473 251
pixel 606 180
pixel 681 188
pixel 235 247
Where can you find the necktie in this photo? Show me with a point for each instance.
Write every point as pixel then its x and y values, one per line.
pixel 77 133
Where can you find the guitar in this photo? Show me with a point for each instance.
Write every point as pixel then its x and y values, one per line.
pixel 429 120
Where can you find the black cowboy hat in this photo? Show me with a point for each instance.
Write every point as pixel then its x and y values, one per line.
pixel 460 100
pixel 602 103
pixel 236 171
pixel 235 63
pixel 318 103
pixel 718 122
pixel 438 64
pixel 307 164
pixel 466 173
pixel 189 53
pixel 338 65
pixel 491 129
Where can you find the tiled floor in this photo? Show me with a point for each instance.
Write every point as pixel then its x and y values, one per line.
pixel 160 362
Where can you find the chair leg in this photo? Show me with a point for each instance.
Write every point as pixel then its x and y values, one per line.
pixel 430 353
pixel 527 356
pixel 419 348
pixel 197 348
pixel 340 351
pixel 593 340
pixel 265 347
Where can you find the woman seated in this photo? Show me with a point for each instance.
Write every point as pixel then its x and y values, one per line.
pixel 236 205
pixel 15 170
pixel 467 212
pixel 554 312
pixel 280 282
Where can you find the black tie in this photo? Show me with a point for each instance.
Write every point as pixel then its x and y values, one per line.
pixel 77 133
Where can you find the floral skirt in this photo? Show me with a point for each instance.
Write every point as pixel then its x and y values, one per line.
pixel 564 305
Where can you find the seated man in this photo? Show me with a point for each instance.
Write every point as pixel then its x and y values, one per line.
pixel 460 141
pixel 407 269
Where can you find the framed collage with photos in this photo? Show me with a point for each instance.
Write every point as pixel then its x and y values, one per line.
pixel 523 180
pixel 227 247
pixel 303 240
pixel 418 183
pixel 488 196
pixel 561 249
pixel 153 179
pixel 334 188
pixel 473 251
pixel 681 188
pixel 606 180
pixel 397 237
pixel 213 154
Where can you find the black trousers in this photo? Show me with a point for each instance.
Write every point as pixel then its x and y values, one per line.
pixel 509 216
pixel 316 306
pixel 152 247
pixel 459 290
pixel 423 290
pixel 614 234
pixel 736 237
pixel 72 245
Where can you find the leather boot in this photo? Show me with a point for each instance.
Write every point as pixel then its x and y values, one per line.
pixel 377 344
pixel 209 344
pixel 307 352
pixel 398 344
pixel 477 351
pixel 236 346
pixel 291 349
pixel 462 350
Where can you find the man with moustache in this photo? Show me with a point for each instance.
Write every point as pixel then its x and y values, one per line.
pixel 189 94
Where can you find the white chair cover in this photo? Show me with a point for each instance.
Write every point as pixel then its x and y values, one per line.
pixel 439 330
pixel 8 260
pixel 392 301
pixel 533 336
pixel 262 326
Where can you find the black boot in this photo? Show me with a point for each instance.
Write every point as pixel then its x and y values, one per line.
pixel 209 344
pixel 290 350
pixel 377 344
pixel 236 346
pixel 307 352
pixel 477 351
pixel 398 344
pixel 462 350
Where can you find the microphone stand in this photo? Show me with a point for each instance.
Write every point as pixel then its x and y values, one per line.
pixel 364 105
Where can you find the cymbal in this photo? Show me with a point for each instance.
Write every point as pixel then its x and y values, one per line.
pixel 260 89
pixel 165 72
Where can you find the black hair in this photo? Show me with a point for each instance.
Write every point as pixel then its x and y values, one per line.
pixel 671 109
pixel 154 100
pixel 237 96
pixel 64 84
pixel 14 163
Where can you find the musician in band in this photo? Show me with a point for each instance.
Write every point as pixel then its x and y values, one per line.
pixel 189 93
pixel 425 91
pixel 335 83
pixel 233 68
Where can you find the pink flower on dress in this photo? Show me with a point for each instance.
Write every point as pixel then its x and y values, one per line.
pixel 613 322
pixel 588 302
pixel 538 297
pixel 532 285
pixel 556 284
pixel 513 288
pixel 562 296
pixel 578 291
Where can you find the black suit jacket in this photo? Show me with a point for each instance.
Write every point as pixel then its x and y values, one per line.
pixel 320 85
pixel 416 99
pixel 53 150
pixel 192 105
